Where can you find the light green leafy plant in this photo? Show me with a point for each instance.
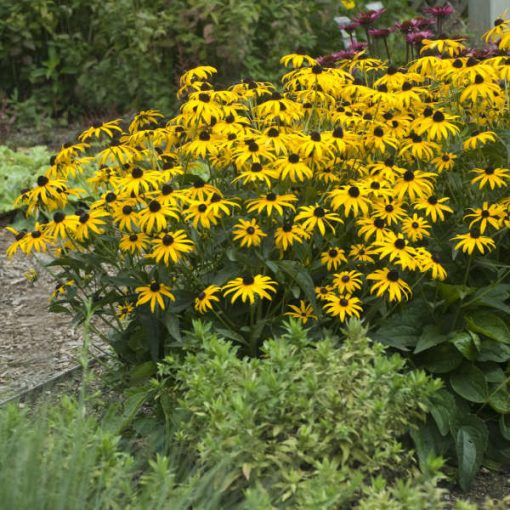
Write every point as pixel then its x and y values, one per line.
pixel 307 422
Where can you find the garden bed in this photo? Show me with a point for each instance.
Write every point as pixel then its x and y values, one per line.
pixel 36 345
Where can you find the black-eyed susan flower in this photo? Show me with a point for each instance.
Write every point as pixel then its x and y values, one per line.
pixel 413 184
pixel 289 234
pixel 438 126
pixel 155 216
pixel 258 172
pixel 201 214
pixel 62 225
pixel 204 301
pixel 124 311
pixel 138 181
pixel 297 60
pixel 493 177
pixel 134 243
pixel 479 139
pixel 343 306
pixel 444 162
pixel 248 233
pixel 117 153
pixel 389 209
pixel 323 292
pixel 474 240
pixel 501 26
pixel 397 249
pixel 293 168
pixel 431 262
pixel 144 118
pixel 97 129
pixel 272 201
pixel 333 257
pixel 372 227
pixel 154 294
pixel 36 240
pixel 126 217
pixel 351 198
pixel 434 207
pixel 90 222
pixel 415 227
pixel 488 214
pixel 303 312
pixel 170 246
pixel 480 89
pixel 452 47
pixel 362 253
pixel 388 281
pixel 313 217
pixel 347 282
pixel 17 244
pixel 249 287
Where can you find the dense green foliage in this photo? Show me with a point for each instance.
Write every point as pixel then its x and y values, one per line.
pixel 305 423
pixel 121 54
pixel 18 170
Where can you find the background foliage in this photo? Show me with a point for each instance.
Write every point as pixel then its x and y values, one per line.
pixel 124 54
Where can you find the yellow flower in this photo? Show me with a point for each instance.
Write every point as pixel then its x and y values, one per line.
pixel 347 282
pixel 389 281
pixel 134 243
pixel 288 234
pixel 270 202
pixel 474 239
pixel 494 177
pixel 343 306
pixel 249 287
pixel 124 310
pixel 99 128
pixel 303 312
pixel 171 245
pixel 249 233
pixel 315 216
pixel 204 300
pixel 154 294
pixel 332 258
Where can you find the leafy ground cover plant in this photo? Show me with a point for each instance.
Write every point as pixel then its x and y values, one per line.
pixel 307 424
pixel 17 171
pixel 347 193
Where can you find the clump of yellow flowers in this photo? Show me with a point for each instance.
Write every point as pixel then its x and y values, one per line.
pixel 345 188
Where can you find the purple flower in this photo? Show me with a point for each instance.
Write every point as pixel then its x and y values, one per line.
pixel 416 38
pixel 366 18
pixel 440 12
pixel 413 25
pixel 359 46
pixel 378 33
pixel 350 27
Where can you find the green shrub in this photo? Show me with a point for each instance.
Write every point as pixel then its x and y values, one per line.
pixel 18 169
pixel 307 422
pixel 121 54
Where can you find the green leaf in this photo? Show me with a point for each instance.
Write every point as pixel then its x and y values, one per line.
pixel 443 409
pixel 500 400
pixel 441 359
pixel 464 341
pixel 469 382
pixel 494 351
pixel 470 446
pixel 489 325
pixel 172 324
pixel 402 330
pixel 430 337
pixel 495 296
pixel 451 293
pixel 428 442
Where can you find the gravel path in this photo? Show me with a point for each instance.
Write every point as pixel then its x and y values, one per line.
pixel 35 345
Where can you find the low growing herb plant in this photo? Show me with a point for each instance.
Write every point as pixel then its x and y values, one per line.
pixel 308 423
pixel 349 192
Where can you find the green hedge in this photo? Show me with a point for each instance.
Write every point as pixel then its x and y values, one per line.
pixel 99 55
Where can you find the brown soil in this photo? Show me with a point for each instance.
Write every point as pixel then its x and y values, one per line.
pixel 35 345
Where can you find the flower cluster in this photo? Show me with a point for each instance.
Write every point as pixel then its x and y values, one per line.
pixel 340 191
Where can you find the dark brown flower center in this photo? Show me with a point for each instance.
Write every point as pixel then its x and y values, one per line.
pixel 248 280
pixel 155 287
pixel 42 180
pixel 154 206
pixel 168 240
pixel 393 275
pixel 354 192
